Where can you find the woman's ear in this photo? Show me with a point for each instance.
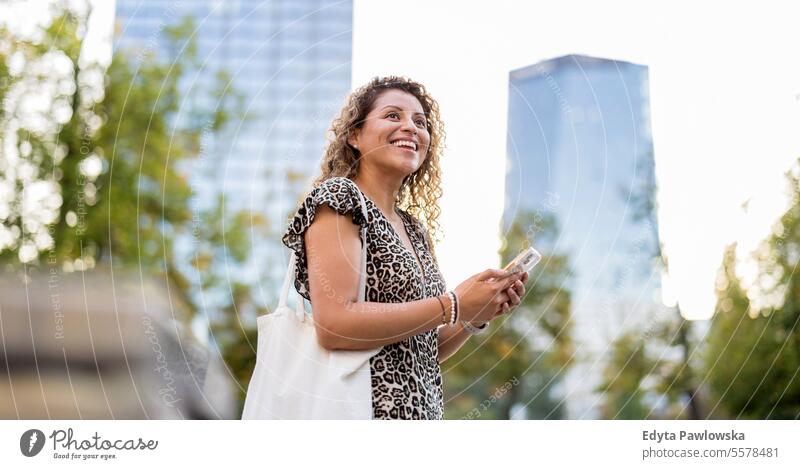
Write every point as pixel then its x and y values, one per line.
pixel 352 140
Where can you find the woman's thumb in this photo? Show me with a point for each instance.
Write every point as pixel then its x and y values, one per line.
pixel 492 273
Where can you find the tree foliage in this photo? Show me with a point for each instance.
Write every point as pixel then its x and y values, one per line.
pixel 100 166
pixel 752 361
pixel 650 373
pixel 521 359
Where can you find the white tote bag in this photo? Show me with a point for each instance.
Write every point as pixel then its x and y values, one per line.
pixel 294 377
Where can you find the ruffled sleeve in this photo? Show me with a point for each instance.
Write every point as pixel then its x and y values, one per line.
pixel 340 194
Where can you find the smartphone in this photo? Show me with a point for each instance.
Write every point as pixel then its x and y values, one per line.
pixel 524 262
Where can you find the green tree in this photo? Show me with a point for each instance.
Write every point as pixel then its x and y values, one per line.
pixel 104 174
pixel 643 368
pixel 628 366
pixel 752 361
pixel 523 357
pixel 644 377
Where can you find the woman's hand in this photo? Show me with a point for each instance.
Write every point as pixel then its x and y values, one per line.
pixel 481 297
pixel 515 294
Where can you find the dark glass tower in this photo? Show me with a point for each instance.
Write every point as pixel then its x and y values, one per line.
pixel 580 150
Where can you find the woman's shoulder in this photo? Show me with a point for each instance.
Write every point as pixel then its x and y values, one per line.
pixel 338 193
pixel 336 185
pixel 341 193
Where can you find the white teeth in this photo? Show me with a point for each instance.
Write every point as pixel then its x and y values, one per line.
pixel 405 143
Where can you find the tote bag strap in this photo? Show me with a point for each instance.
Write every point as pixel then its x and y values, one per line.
pixel 287 281
pixel 362 280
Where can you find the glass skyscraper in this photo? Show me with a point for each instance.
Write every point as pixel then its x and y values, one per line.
pixel 291 61
pixel 579 149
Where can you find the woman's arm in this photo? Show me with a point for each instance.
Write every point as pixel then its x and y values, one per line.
pixel 343 321
pixel 451 338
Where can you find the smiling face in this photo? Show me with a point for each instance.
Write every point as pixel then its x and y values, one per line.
pixel 394 136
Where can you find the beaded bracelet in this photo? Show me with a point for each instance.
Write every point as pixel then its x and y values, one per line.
pixel 452 308
pixel 452 305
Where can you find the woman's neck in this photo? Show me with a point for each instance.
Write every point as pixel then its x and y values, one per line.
pixel 381 189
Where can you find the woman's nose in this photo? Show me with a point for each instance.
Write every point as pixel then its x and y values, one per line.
pixel 409 125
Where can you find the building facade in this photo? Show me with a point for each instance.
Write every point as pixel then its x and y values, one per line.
pixel 579 149
pixel 291 62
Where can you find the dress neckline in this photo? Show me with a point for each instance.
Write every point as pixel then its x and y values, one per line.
pixel 406 223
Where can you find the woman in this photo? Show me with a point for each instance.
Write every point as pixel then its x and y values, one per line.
pixel 386 144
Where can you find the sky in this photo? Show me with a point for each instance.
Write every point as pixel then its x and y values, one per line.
pixel 725 107
pixel 725 102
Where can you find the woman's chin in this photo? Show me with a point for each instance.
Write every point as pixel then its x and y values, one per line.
pixel 400 164
pixel 407 166
pixel 409 169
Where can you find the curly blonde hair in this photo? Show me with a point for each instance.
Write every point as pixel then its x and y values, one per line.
pixel 421 190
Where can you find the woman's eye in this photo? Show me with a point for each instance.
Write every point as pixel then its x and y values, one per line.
pixel 419 122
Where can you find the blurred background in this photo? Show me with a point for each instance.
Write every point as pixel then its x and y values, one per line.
pixel 151 152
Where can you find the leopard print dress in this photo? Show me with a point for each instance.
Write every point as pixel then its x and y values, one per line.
pixel 406 378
